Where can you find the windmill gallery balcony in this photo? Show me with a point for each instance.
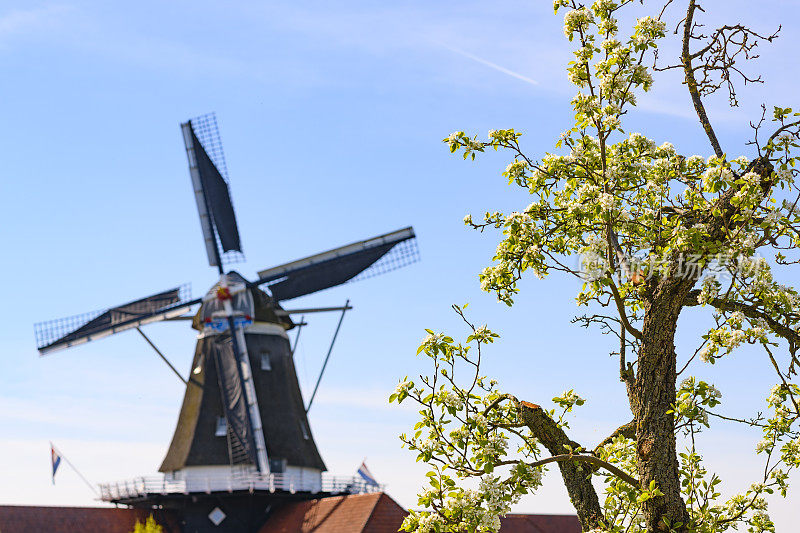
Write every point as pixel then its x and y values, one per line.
pixel 291 483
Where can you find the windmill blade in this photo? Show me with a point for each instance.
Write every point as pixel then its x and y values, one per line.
pixel 63 333
pixel 212 194
pixel 234 402
pixel 356 261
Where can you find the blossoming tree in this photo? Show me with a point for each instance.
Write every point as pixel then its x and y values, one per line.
pixel 656 232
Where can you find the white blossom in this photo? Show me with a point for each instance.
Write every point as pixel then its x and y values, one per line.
pixel 763 445
pixel 516 169
pixel 497 443
pixel 751 178
pixel 432 340
pixel 451 399
pixel 575 20
pixel 706 353
pixel 404 386
pixel 650 26
pixel 735 319
pixel 607 201
pixel 709 290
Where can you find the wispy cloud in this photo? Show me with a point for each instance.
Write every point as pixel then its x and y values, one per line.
pixel 491 65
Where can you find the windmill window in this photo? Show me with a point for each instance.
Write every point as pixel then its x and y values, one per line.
pixel 304 430
pixel 277 465
pixel 266 364
pixel 222 427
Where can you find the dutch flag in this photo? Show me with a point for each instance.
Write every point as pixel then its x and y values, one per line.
pixel 55 459
pixel 364 472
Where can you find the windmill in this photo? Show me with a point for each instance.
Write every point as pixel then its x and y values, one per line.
pixel 242 440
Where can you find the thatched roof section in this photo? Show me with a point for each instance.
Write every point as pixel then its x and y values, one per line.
pixel 286 429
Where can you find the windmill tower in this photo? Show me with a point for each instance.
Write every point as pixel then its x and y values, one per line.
pixel 242 443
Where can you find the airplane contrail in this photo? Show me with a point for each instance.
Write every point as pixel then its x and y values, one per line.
pixel 491 65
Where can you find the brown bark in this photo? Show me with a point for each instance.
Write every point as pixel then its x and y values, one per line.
pixel 654 396
pixel 691 82
pixel 577 477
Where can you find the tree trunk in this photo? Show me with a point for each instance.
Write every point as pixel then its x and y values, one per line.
pixel 654 396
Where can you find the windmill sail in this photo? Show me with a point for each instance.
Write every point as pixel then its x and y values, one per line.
pixel 214 206
pixel 234 402
pixel 358 260
pixel 218 198
pixel 65 332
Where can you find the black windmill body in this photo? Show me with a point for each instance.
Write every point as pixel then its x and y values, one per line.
pixel 242 441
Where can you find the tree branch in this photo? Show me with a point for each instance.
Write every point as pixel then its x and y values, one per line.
pixel 497 401
pixel 592 460
pixel 750 311
pixel 691 81
pixel 577 479
pixel 621 310
pixel 626 430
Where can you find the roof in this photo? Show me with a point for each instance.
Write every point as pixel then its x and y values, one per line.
pixel 358 513
pixel 28 518
pixel 361 513
pixel 378 513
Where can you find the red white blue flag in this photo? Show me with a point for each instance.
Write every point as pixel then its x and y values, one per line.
pixel 55 459
pixel 364 472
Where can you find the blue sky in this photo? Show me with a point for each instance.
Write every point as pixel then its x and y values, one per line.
pixel 331 115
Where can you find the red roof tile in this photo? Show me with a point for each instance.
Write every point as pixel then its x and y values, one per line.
pixel 387 517
pixel 337 514
pixel 378 513
pixel 28 519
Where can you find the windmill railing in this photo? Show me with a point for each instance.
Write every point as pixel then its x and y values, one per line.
pixel 292 483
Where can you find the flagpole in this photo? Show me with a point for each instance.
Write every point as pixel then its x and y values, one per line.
pixel 88 484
